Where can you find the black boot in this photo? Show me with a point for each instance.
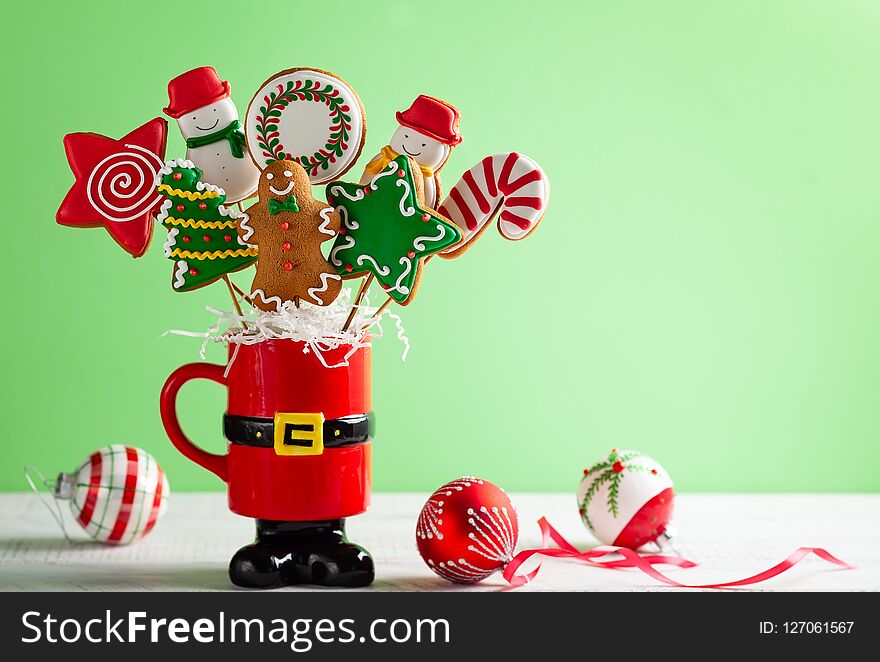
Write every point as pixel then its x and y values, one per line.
pixel 287 553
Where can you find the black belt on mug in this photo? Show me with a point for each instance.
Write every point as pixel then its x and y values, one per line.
pixel 299 433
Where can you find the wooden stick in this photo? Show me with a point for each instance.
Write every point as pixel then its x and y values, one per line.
pixel 357 300
pixel 241 293
pixel 234 299
pixel 381 310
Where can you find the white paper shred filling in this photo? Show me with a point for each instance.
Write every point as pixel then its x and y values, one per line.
pixel 319 327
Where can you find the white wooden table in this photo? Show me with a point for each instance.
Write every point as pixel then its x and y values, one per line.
pixel 732 536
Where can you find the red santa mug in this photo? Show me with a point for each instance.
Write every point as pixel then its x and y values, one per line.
pixel 299 433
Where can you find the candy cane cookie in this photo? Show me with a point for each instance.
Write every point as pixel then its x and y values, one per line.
pixel 508 182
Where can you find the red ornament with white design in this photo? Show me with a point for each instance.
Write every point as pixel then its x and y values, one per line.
pixel 467 530
pixel 626 499
pixel 116 495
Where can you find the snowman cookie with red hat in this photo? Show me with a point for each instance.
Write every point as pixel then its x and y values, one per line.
pixel 208 119
pixel 427 133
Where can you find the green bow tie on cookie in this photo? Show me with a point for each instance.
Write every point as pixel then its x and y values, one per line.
pixel 276 206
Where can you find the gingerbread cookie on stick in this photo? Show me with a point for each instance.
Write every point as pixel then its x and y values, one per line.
pixel 288 226
pixel 427 133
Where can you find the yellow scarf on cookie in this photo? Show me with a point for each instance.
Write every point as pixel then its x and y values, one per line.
pixel 386 156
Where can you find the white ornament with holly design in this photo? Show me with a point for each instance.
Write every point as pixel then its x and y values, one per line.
pixel 626 499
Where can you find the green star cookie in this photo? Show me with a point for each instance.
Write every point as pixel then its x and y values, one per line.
pixel 385 231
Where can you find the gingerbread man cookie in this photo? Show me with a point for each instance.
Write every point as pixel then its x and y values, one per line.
pixel 288 226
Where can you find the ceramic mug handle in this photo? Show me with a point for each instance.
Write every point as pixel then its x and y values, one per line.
pixel 168 406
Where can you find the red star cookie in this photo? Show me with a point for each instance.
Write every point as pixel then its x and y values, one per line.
pixel 116 183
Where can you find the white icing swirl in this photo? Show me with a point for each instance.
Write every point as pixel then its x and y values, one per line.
pixel 168 246
pixel 349 242
pixel 121 186
pixel 382 271
pixel 398 286
pixel 390 169
pixel 325 282
pixel 324 227
pixel 417 242
pixel 409 210
pixel 338 190
pixel 182 268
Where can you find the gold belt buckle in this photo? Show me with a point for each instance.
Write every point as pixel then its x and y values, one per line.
pixel 299 434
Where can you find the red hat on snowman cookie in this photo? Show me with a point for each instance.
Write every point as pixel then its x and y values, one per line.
pixel 195 89
pixel 432 117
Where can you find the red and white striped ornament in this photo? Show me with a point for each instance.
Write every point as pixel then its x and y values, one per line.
pixel 467 530
pixel 509 183
pixel 117 494
pixel 625 499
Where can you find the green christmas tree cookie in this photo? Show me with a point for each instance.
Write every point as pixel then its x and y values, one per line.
pixel 202 232
pixel 387 230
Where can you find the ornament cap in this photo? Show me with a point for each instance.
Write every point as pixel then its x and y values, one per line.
pixel 665 541
pixel 65 486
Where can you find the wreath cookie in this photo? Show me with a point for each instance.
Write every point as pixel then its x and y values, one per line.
pixel 308 116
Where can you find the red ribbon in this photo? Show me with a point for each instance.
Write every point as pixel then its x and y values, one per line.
pixel 645 563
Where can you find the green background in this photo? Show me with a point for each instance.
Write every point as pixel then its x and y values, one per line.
pixel 704 286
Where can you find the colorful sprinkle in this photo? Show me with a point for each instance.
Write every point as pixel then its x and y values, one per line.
pixel 285 225
pixel 286 246
pixel 288 266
